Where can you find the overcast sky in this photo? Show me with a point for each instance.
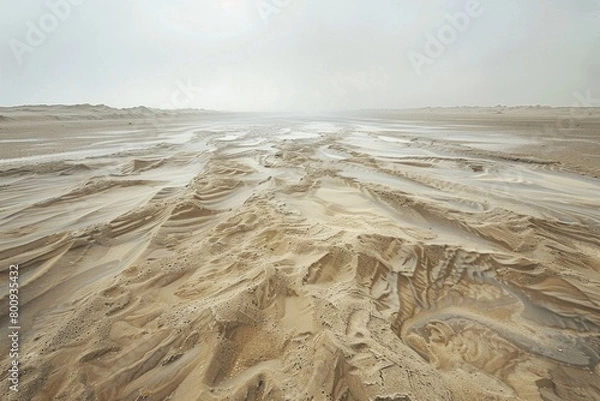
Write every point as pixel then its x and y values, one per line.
pixel 299 54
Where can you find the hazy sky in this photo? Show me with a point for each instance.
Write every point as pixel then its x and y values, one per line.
pixel 299 54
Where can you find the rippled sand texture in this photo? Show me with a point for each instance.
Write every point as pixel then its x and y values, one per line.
pixel 269 258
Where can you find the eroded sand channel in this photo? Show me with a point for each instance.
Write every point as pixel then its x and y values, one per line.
pixel 271 258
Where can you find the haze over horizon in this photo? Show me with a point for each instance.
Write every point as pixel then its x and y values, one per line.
pixel 283 55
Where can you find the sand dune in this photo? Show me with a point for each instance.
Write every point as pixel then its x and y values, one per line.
pixel 383 256
pixel 88 112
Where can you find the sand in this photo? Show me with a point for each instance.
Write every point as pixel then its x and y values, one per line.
pixel 433 254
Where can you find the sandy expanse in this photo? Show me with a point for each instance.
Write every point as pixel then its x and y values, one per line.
pixel 433 254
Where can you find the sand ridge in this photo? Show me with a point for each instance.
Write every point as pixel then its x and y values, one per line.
pixel 293 258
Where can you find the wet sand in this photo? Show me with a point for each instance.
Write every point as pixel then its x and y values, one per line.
pixel 434 254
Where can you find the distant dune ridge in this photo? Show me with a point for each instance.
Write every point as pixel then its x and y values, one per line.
pixel 91 112
pixel 382 255
pixel 85 111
